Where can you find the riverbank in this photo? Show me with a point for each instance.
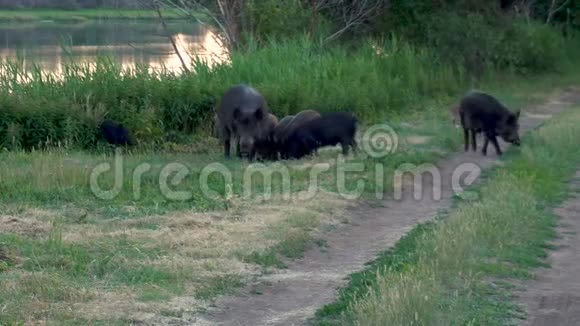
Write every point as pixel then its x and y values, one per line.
pixel 82 15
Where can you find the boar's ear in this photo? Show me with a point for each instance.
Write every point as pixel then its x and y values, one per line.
pixel 259 114
pixel 237 113
pixel 513 118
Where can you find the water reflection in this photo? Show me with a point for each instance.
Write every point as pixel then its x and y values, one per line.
pixel 145 44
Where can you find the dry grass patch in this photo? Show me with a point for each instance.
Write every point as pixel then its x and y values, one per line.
pixel 23 226
pixel 140 269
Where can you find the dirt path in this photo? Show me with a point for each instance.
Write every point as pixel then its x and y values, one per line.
pixel 553 298
pixel 292 296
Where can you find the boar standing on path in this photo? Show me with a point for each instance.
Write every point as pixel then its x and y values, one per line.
pixel 329 130
pixel 481 112
pixel 243 115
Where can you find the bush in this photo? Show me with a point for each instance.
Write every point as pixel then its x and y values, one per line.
pixel 481 42
pixel 277 19
pixel 530 48
pixel 476 34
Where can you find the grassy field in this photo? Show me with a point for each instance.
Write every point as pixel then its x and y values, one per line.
pixel 457 270
pixel 32 15
pixel 150 255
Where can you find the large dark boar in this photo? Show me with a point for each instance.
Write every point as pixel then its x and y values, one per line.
pixel 243 115
pixel 329 130
pixel 116 133
pixel 481 112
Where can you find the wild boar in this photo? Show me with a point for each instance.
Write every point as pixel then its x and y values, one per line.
pixel 264 146
pixel 288 126
pixel 481 112
pixel 282 125
pixel 329 130
pixel 115 133
pixel 285 129
pixel 276 134
pixel 243 115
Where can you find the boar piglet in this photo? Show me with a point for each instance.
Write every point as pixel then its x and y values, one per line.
pixel 481 112
pixel 115 133
pixel 288 125
pixel 328 130
pixel 265 147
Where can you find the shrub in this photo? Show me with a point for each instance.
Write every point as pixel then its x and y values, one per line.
pixel 530 47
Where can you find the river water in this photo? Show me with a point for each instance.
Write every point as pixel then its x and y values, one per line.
pixel 50 46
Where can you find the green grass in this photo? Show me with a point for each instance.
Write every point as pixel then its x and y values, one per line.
pixel 455 271
pixel 35 15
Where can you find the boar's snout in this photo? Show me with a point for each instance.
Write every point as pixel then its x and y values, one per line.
pixel 246 146
pixel 511 136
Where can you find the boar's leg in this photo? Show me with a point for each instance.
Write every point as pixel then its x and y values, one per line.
pixel 466 136
pixel 495 144
pixel 353 145
pixel 473 140
pixel 485 143
pixel 227 144
pixel 344 145
pixel 252 155
pixel 490 136
pixel 238 151
pixel 226 135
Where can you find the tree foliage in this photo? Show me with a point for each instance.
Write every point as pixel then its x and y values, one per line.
pixel 69 4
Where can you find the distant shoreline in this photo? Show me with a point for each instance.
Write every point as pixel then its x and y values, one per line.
pixel 82 15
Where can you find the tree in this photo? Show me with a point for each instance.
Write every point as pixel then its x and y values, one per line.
pixel 555 7
pixel 347 15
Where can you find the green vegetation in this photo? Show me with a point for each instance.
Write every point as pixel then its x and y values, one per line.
pixel 455 271
pixel 293 75
pixel 148 251
pixel 52 177
pixel 81 15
